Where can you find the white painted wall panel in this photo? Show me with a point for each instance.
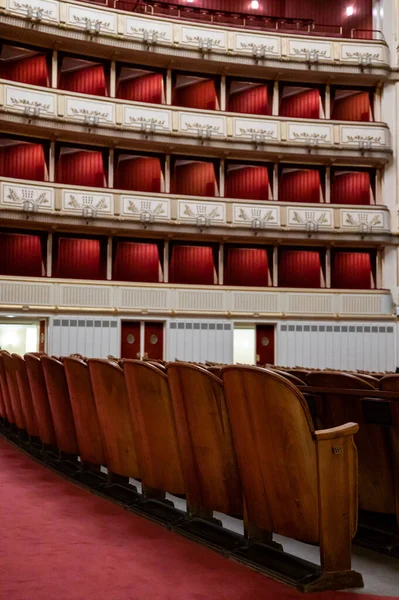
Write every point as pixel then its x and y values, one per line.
pixel 92 337
pixel 199 341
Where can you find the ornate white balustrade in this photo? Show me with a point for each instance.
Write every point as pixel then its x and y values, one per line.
pixel 221 128
pixel 199 40
pixel 97 204
pixel 164 299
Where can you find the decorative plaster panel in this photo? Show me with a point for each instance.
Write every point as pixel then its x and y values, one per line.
pixel 49 10
pixel 140 28
pixel 141 117
pixel 244 214
pixel 13 195
pixel 256 128
pixel 84 18
pixel 311 133
pixel 246 43
pixel 299 217
pixel 24 99
pixel 355 219
pixel 355 135
pixel 82 109
pixel 133 206
pixel 202 124
pixel 190 211
pixel 310 49
pixel 74 201
pixel 362 52
pixel 197 36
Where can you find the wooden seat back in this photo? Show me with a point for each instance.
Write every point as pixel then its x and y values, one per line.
pixel 25 395
pixel 376 471
pixel 84 411
pixel 300 373
pixel 389 383
pixel 292 378
pixel 5 393
pixel 60 405
pixel 154 426
pixel 10 367
pixel 293 482
pixel 369 379
pixel 112 403
pixel 40 399
pixel 205 439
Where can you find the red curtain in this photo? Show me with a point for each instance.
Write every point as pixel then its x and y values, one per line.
pixel 305 105
pixel 352 108
pixel 79 259
pixel 21 254
pixel 301 185
pixel 248 182
pixel 299 268
pixel 246 266
pixel 192 265
pixel 194 178
pixel 136 262
pixel 350 187
pixel 89 80
pixel 23 161
pixel 351 270
pixel 81 167
pixel 145 88
pixel 142 174
pixel 31 70
pixel 201 94
pixel 253 100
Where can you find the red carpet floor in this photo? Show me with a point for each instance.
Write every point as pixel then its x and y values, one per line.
pixel 59 542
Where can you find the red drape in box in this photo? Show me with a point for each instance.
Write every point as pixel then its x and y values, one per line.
pixel 81 168
pixel 79 259
pixel 350 188
pixel 253 100
pixel 31 70
pixel 302 185
pixel 352 108
pixel 195 179
pixel 299 268
pixel 351 270
pixel 146 88
pixel 246 266
pixel 192 265
pixel 90 80
pixel 136 262
pixel 21 254
pixel 23 161
pixel 305 105
pixel 248 182
pixel 142 174
pixel 201 94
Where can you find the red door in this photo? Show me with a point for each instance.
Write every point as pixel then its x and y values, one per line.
pixel 265 344
pixel 42 336
pixel 130 343
pixel 153 340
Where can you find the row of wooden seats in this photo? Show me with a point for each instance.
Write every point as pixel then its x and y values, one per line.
pixel 224 443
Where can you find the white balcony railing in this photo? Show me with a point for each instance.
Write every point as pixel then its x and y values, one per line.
pixel 200 40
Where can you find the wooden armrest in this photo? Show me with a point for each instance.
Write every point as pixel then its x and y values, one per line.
pixel 336 432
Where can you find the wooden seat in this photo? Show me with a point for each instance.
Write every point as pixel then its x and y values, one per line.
pixel 25 395
pixel 40 399
pixel 16 402
pixel 154 426
pixel 369 379
pixel 5 393
pixel 84 411
pixel 114 416
pixel 300 373
pixel 297 482
pixel 376 474
pixel 389 383
pixel 58 396
pixel 205 440
pixel 292 378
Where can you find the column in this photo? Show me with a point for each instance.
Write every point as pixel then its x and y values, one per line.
pixel 109 258
pixel 327 197
pixel 275 182
pixel 221 264
pixel 167 174
pixel 328 268
pixel 276 98
pixel 49 255
pixel 169 86
pixel 51 165
pixel 54 69
pixel 112 80
pixel 275 266
pixel 166 262
pixel 223 93
pixel 222 178
pixel 111 156
pixel 327 102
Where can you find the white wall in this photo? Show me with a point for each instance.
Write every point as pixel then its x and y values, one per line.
pixel 339 345
pixel 94 337
pixel 19 338
pixel 199 340
pixel 244 345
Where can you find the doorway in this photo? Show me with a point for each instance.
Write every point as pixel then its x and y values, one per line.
pixel 142 339
pixel 19 338
pixel 265 344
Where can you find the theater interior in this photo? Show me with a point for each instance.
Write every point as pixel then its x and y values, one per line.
pixel 199 299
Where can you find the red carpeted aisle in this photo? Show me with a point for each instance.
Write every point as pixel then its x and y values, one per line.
pixel 59 542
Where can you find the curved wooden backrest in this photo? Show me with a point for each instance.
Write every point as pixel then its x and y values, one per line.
pixel 5 393
pixel 205 440
pixel 300 373
pixel 11 375
pixel 389 383
pixel 154 426
pixel 25 395
pixel 60 404
pixel 84 411
pixel 215 369
pixel 272 430
pixel 292 378
pixel 112 403
pixel 369 379
pixel 40 399
pixel 376 475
